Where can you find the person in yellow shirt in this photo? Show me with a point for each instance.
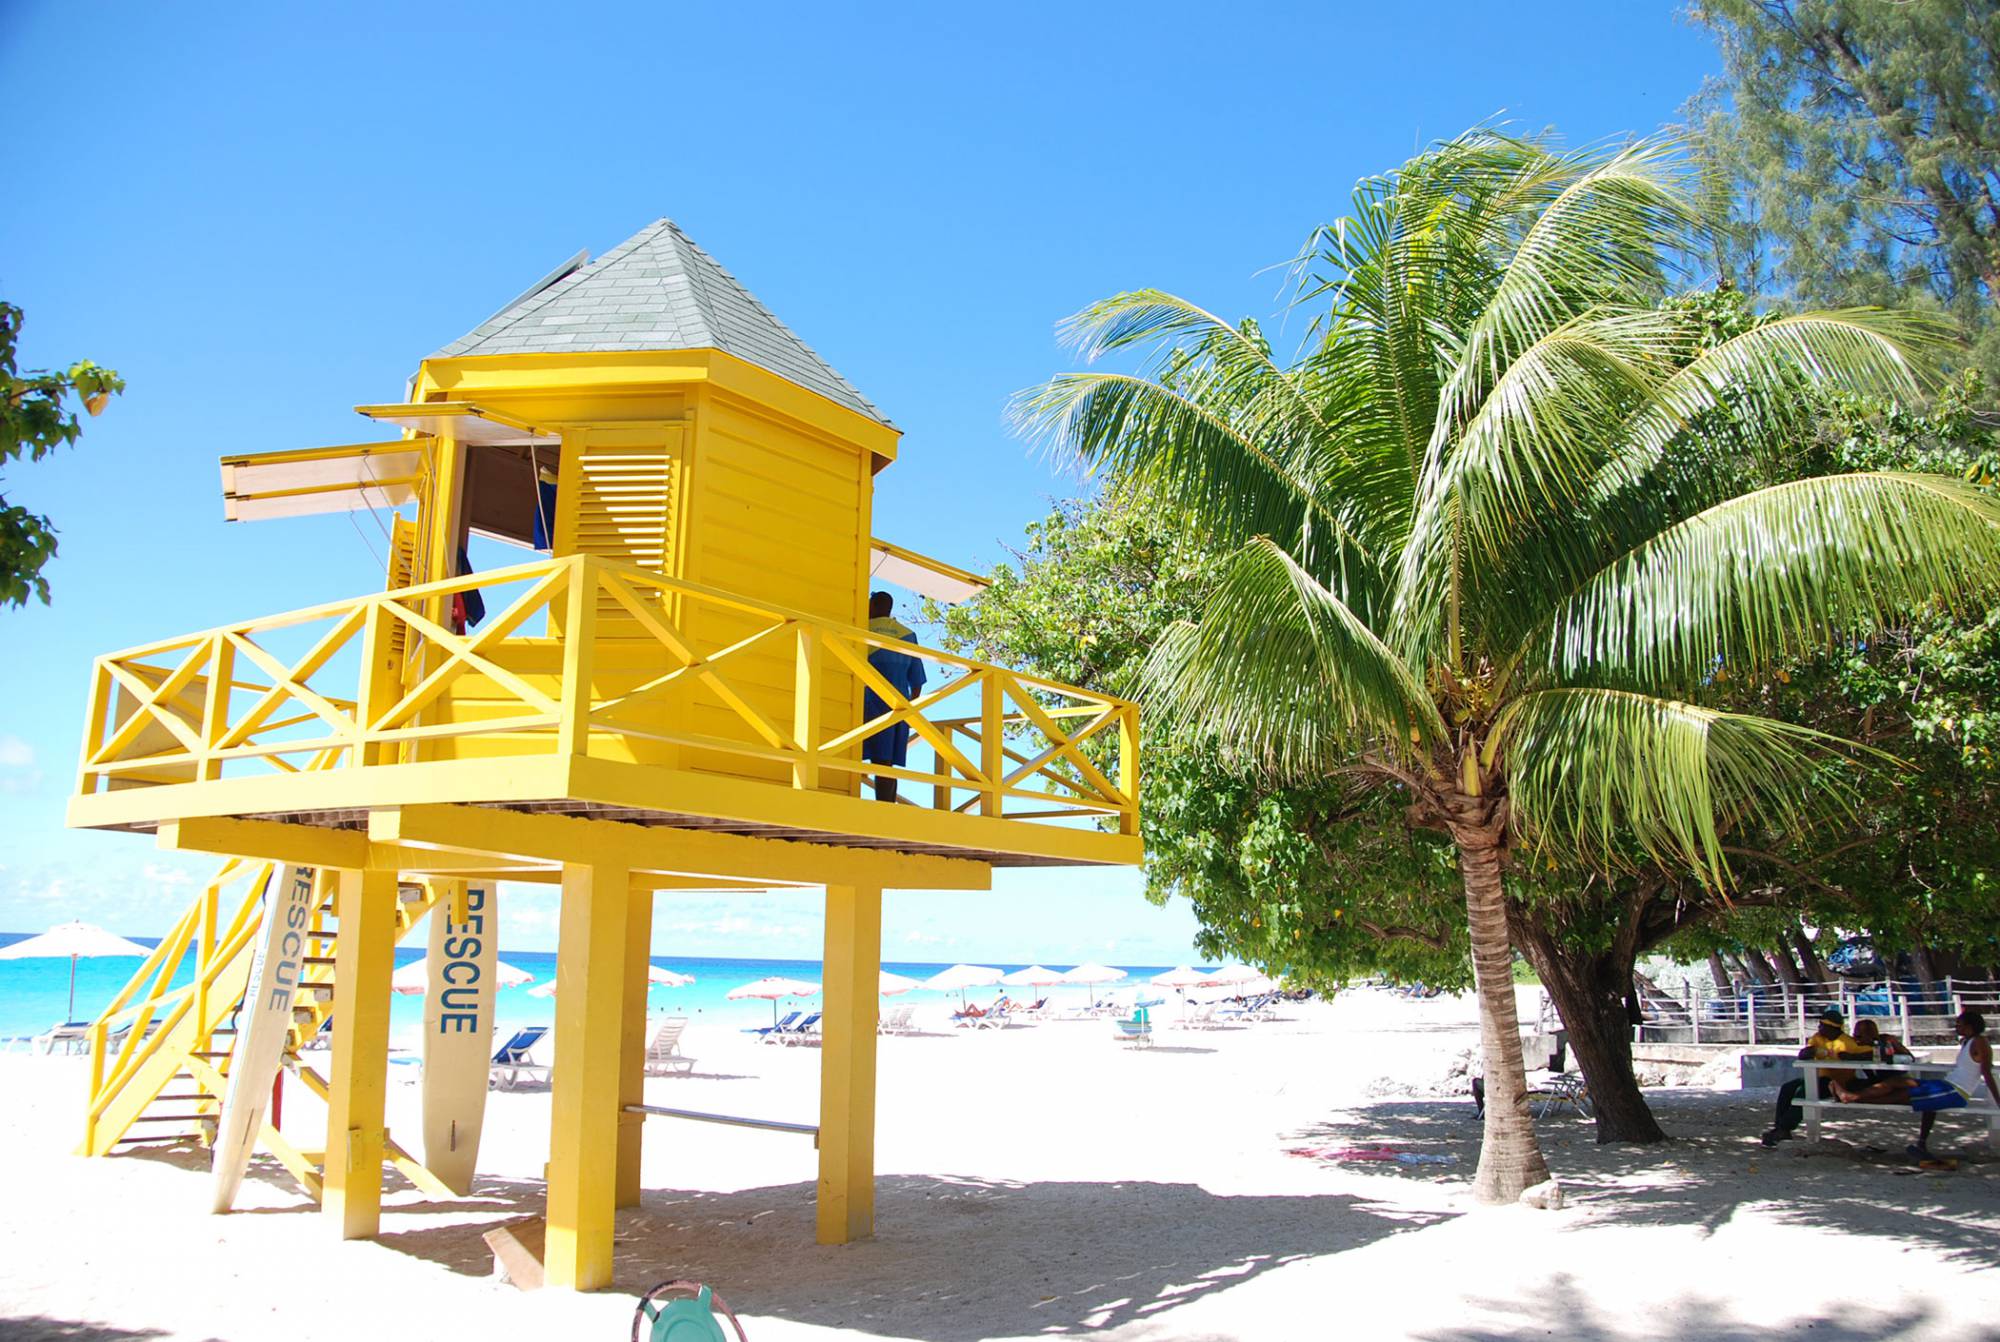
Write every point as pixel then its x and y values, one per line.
pixel 1828 1043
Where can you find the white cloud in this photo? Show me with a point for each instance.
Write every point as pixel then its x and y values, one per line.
pixel 18 774
pixel 16 753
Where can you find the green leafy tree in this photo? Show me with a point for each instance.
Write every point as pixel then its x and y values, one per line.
pixel 1473 562
pixel 36 419
pixel 1860 142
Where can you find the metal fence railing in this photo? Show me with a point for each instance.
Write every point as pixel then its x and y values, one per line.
pixel 1781 1014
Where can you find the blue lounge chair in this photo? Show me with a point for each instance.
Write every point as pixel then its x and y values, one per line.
pixel 1138 1031
pixel 799 1034
pixel 768 1031
pixel 512 1062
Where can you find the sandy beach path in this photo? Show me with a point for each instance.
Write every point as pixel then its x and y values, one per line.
pixel 1048 1182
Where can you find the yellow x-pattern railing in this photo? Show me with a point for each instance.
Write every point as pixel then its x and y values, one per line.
pixel 1034 749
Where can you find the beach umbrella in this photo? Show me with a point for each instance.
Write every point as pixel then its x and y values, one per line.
pixel 73 940
pixel 1180 978
pixel 960 977
pixel 1231 974
pixel 415 977
pixel 772 989
pixel 1034 976
pixel 543 989
pixel 1093 973
pixel 667 978
pixel 894 985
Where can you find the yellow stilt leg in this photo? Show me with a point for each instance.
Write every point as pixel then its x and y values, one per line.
pixel 364 957
pixel 632 1046
pixel 583 1140
pixel 847 1063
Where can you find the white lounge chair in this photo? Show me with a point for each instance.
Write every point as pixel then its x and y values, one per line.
pixel 663 1047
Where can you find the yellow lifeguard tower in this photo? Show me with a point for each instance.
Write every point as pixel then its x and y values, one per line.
pixel 667 695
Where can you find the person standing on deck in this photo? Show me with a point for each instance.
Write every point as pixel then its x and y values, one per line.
pixel 905 674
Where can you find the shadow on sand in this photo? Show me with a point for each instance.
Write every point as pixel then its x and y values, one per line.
pixel 1862 1178
pixel 37 1328
pixel 1081 1256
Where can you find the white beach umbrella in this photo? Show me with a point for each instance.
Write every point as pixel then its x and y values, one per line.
pixel 415 977
pixel 73 940
pixel 772 989
pixel 894 985
pixel 960 977
pixel 656 977
pixel 1093 973
pixel 1034 976
pixel 1231 974
pixel 1180 978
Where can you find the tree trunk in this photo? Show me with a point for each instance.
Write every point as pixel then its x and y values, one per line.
pixel 1510 1158
pixel 1588 988
pixel 1810 964
pixel 1756 969
pixel 1781 965
pixel 1718 974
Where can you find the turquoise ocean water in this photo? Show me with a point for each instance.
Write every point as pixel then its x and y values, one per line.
pixel 33 992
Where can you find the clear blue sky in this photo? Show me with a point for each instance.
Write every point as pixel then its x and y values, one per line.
pixel 264 215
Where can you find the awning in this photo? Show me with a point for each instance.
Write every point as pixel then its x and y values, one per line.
pixel 460 420
pixel 263 485
pixel 921 574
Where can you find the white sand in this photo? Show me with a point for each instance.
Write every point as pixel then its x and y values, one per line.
pixel 1047 1181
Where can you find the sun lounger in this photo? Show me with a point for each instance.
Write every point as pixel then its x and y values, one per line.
pixel 778 1027
pixel 802 1033
pixel 897 1021
pixel 1138 1031
pixel 512 1063
pixel 69 1037
pixel 663 1047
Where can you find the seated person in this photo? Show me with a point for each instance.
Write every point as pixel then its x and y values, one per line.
pixel 1974 1063
pixel 1829 1043
pixel 1870 1087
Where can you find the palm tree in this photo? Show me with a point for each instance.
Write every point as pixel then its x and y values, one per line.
pixel 1486 548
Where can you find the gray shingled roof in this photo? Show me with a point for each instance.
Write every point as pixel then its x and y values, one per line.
pixel 657 291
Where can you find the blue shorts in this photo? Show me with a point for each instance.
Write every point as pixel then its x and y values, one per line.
pixel 1933 1093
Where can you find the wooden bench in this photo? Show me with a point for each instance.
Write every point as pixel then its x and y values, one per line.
pixel 1815 1108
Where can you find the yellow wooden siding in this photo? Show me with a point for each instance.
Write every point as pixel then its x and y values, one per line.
pixel 619 499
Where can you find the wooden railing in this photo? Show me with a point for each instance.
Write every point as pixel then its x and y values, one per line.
pixel 589 657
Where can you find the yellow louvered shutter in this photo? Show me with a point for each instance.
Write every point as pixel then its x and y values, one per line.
pixel 619 499
pixel 402 571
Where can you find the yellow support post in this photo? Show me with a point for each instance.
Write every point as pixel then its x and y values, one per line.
pixel 364 957
pixel 632 1040
pixel 847 1063
pixel 583 1137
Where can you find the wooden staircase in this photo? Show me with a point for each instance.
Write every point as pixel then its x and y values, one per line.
pixel 160 1053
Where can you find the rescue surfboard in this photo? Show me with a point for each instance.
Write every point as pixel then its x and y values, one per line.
pixel 458 1033
pixel 261 1027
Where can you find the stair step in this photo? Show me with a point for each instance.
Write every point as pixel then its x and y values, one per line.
pixel 196 1095
pixel 159 1137
pixel 173 1118
pixel 210 1054
pixel 319 960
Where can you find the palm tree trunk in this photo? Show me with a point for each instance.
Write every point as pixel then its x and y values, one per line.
pixel 1510 1159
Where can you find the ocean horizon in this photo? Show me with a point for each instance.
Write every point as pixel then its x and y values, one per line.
pixel 33 992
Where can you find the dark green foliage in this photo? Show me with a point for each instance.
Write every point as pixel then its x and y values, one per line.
pixel 36 419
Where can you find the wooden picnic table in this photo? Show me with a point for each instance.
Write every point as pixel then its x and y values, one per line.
pixel 1812 1104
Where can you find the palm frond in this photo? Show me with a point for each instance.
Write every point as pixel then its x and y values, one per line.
pixel 1753 378
pixel 1281 668
pixel 1775 573
pixel 1589 770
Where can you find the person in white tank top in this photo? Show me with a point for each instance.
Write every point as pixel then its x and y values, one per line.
pixel 1973 1065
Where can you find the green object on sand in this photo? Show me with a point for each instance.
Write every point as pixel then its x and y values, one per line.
pixel 688 1319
